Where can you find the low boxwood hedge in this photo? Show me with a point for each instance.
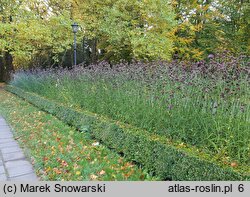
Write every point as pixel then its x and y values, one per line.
pixel 154 153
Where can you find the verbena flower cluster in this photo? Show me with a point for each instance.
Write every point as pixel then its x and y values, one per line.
pixel 203 104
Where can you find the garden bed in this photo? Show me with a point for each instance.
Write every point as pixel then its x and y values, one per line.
pixel 165 158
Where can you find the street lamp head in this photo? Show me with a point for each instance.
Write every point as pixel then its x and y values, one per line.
pixel 75 27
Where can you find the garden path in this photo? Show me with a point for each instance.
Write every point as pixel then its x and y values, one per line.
pixel 13 164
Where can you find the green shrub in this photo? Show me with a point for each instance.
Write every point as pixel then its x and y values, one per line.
pixel 154 153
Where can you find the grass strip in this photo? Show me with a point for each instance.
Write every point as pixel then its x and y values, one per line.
pixel 60 153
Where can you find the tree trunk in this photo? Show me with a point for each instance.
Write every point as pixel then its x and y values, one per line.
pixel 86 52
pixel 1 69
pixel 6 61
pixel 93 51
pixel 8 67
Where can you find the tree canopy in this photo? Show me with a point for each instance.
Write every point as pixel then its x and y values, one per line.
pixel 38 32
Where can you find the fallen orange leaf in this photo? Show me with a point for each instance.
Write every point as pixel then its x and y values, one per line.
pixel 102 172
pixel 57 171
pixel 234 164
pixel 93 177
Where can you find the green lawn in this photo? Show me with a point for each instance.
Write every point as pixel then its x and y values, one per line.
pixel 58 152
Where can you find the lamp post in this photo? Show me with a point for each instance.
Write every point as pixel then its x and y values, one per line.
pixel 75 29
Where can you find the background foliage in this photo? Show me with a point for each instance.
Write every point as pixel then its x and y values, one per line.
pixel 38 33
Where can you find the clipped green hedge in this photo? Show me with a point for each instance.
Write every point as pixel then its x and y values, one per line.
pixel 153 153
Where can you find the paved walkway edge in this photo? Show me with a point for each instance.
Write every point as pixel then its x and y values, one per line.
pixel 13 164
